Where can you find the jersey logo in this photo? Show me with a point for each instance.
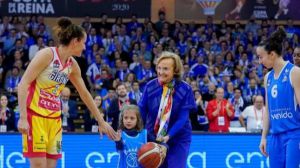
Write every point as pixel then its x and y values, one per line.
pixel 56 64
pixel 59 77
pixel 274 91
pixel 284 79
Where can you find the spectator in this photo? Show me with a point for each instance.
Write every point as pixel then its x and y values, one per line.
pixel 123 71
pixel 103 24
pixel 254 115
pixel 198 118
pixel 251 90
pixel 33 49
pixel 210 94
pixel 9 40
pixel 11 83
pixel 229 93
pixel 133 24
pixel 1 69
pixel 238 103
pixel 117 104
pixel 7 116
pixel 94 73
pixel 199 69
pixel 161 21
pixel 69 110
pixel 90 123
pixel 135 94
pixel 86 24
pixel 108 42
pixel 93 38
pixel 219 112
pixel 5 26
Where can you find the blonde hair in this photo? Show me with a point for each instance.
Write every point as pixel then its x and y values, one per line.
pixel 139 123
pixel 178 66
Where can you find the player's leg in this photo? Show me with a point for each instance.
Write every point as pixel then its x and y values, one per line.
pixel 38 162
pixel 34 143
pixel 54 143
pixel 51 163
pixel 293 150
pixel 276 151
pixel 293 153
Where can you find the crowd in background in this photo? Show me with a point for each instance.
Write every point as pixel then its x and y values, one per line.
pixel 219 60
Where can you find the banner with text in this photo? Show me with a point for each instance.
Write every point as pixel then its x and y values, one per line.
pixel 237 9
pixel 76 8
pixel 88 150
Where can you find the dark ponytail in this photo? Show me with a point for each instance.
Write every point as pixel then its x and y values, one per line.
pixel 66 31
pixel 274 42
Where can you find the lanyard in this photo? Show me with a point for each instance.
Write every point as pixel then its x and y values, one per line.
pixel 256 117
pixel 121 104
pixel 3 116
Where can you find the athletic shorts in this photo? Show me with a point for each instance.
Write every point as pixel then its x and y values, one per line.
pixel 284 149
pixel 44 138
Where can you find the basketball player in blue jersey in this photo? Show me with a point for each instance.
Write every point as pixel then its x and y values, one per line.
pixel 282 116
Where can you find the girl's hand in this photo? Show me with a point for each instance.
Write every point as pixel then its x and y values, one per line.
pixel 118 136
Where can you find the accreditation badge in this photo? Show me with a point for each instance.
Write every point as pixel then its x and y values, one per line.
pixel 221 121
pixel 95 128
pixel 3 128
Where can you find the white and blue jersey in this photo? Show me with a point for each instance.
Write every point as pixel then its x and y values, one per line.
pixel 131 145
pixel 284 113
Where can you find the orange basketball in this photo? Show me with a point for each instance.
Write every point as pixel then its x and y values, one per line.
pixel 151 155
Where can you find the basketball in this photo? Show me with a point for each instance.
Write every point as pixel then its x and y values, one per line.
pixel 151 155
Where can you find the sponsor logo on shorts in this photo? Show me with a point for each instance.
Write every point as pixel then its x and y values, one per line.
pixel 58 146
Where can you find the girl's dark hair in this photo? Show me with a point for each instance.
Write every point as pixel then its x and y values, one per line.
pixel 274 42
pixel 66 31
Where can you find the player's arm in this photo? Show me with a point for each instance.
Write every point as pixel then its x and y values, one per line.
pixel 37 65
pixel 296 82
pixel 77 81
pixel 266 123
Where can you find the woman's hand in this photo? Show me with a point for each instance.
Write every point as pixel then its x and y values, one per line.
pixel 164 139
pixel 104 127
pixel 23 126
pixel 263 146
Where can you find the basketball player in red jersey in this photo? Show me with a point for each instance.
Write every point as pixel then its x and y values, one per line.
pixel 39 96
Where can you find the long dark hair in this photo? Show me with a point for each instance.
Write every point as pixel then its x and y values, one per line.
pixel 274 42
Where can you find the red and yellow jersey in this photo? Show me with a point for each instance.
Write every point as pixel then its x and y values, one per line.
pixel 44 91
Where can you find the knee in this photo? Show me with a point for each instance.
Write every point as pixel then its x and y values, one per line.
pixel 37 164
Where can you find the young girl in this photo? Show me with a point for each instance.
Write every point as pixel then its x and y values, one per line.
pixel 131 136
